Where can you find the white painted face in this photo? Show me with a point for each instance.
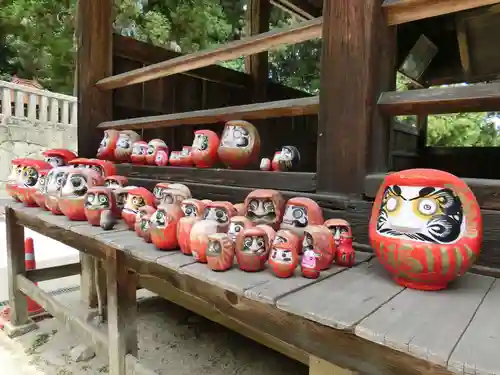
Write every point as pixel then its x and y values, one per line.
pixel 154 144
pixel 295 216
pixel 40 184
pixel 234 229
pixel 235 136
pixel 255 245
pixel 421 213
pixel 75 185
pixel 161 158
pixel 200 142
pixel 55 161
pixel 55 179
pixel 139 149
pixel 15 174
pixel 283 256
pixel 175 155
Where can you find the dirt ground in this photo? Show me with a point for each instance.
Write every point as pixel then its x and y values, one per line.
pixel 172 340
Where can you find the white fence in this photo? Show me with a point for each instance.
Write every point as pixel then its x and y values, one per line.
pixel 37 105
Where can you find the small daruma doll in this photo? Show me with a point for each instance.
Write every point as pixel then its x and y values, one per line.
pixel 154 146
pixel 252 249
pixel 143 221
pixel 220 252
pixel 124 144
pixel 100 207
pixel 200 232
pixel 30 177
pixel 425 227
pixel 265 206
pixel 289 238
pixel 38 194
pixel 106 150
pixel 301 212
pixel 73 191
pixel 164 226
pixel 136 198
pixel 283 260
pixel 139 152
pixel 289 158
pixel 319 239
pixel 161 157
pixel 220 212
pixel 204 149
pixel 14 180
pixel 240 144
pixel 184 232
pixel 237 224
pixel 53 184
pixel 58 157
pixel 342 235
pixel 193 207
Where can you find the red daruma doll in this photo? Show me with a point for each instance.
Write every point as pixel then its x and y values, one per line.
pixel 139 152
pixel 100 207
pixel 252 249
pixel 164 226
pixel 240 144
pixel 301 212
pixel 204 149
pixel 425 227
pixel 58 157
pixel 220 252
pixel 136 198
pixel 199 238
pixel 283 260
pixel 154 146
pixel 342 235
pixel 106 150
pixel 142 222
pixel 184 232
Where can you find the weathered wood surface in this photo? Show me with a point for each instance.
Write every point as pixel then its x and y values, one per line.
pixel 357 318
pixel 480 97
pixel 244 47
pixel 295 181
pixel 402 11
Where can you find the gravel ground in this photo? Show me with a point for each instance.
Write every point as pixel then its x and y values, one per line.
pixel 172 341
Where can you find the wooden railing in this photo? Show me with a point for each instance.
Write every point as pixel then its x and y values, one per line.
pixel 37 105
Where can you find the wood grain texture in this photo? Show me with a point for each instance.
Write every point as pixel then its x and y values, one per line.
pixel 427 325
pixel 318 366
pixel 355 63
pixel 477 353
pixel 277 288
pixel 403 11
pixel 345 299
pixel 472 98
pixel 257 111
pixel 295 181
pixel 302 9
pixel 244 47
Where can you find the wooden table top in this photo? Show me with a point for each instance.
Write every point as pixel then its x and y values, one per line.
pixel 452 331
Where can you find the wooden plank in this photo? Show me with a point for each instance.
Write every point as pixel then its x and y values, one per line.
pixel 481 97
pixel 244 47
pixel 91 231
pixel 345 299
pixel 302 9
pixel 60 221
pixel 295 181
pixel 122 312
pixel 69 317
pixel 56 272
pixel 94 31
pixel 257 111
pixel 277 288
pixel 358 61
pixel 318 366
pixel 485 190
pixel 420 323
pixel 477 350
pixel 403 11
pixel 175 260
pixel 15 266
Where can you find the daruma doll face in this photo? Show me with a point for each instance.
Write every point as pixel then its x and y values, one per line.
pixel 426 227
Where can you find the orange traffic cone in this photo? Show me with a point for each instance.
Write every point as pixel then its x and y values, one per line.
pixel 30 263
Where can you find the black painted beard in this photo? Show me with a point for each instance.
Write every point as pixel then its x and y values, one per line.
pixel 269 217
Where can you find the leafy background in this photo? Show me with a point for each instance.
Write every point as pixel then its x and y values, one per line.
pixel 37 42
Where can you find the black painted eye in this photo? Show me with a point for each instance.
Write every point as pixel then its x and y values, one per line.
pixel 204 143
pixel 253 204
pixel 269 206
pixel 90 198
pixel 298 213
pixel 260 242
pixel 248 241
pixel 237 228
pixel 103 199
pixel 221 215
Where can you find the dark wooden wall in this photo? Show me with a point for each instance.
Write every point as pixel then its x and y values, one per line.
pixel 404 147
pixel 206 88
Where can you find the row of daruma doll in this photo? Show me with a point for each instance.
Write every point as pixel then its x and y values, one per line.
pixel 238 147
pixel 263 229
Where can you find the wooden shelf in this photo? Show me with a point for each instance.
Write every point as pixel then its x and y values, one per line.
pixel 403 11
pixel 472 98
pixel 295 181
pixel 248 46
pixel 258 111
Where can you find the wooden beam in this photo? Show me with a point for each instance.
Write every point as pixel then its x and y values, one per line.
pixel 57 272
pixel 403 11
pixel 481 97
pixel 258 111
pixel 357 64
pixel 302 9
pixel 463 45
pixel 244 47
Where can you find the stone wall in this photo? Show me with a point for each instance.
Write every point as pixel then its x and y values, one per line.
pixel 21 137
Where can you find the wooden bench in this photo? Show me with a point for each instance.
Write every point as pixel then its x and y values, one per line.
pixel 349 321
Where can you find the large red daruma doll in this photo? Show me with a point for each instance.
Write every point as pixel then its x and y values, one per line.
pixel 425 227
pixel 107 147
pixel 31 174
pixel 240 144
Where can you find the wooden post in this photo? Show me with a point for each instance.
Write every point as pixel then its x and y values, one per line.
pixel 20 322
pixel 122 311
pixel 257 65
pixel 94 62
pixel 357 64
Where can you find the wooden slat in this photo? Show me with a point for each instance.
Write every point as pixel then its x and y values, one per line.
pixel 472 98
pixel 244 47
pixel 258 111
pixel 403 11
pixel 301 9
pixel 295 181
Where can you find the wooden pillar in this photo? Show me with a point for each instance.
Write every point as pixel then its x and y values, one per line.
pixel 257 65
pixel 94 62
pixel 122 312
pixel 357 64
